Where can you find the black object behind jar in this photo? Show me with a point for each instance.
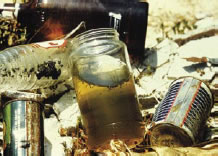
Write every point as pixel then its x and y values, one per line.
pixel 128 17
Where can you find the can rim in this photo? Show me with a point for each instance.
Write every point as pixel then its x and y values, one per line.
pixel 183 131
pixel 14 100
pixel 23 95
pixel 12 96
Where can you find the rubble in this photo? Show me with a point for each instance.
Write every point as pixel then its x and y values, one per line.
pixel 163 64
pixel 205 28
pixel 67 111
pixel 64 102
pixel 11 33
pixel 186 151
pixel 205 47
pixel 69 117
pixel 161 53
pixel 52 141
pixel 174 66
pixel 152 87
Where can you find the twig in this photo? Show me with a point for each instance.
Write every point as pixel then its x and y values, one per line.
pixel 35 34
pixel 82 24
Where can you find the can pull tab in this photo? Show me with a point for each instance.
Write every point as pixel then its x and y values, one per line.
pixel 115 20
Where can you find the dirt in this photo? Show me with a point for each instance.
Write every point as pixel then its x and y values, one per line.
pixel 48 69
pixel 169 17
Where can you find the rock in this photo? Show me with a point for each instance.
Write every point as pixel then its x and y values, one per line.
pixel 161 61
pixel 137 70
pixel 207 22
pixel 64 102
pixel 53 139
pixel 48 110
pixel 53 148
pixel 166 45
pixel 155 84
pixel 161 54
pixel 67 110
pixel 61 146
pixel 147 102
pixel 182 68
pixel 205 47
pixel 201 15
pixel 68 118
pixel 54 143
pixel 152 88
pixel 204 30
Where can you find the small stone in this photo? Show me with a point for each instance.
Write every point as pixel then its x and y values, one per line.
pixel 147 102
pixel 52 138
pixel 69 117
pixel 162 53
pixel 53 148
pixel 64 102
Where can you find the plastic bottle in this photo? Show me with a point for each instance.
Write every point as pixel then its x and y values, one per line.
pixel 43 64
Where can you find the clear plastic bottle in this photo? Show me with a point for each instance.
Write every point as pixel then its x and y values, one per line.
pixel 43 64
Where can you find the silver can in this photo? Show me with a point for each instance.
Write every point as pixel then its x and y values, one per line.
pixel 182 114
pixel 23 125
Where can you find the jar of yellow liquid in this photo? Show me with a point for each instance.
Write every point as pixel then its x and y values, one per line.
pixel 106 93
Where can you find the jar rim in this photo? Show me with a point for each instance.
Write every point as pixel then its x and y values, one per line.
pixel 95 34
pixel 98 31
pixel 98 47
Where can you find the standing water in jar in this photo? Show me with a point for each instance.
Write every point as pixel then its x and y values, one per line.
pixel 107 98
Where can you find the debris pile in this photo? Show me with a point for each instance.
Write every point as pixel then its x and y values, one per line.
pixel 11 33
pixel 176 37
pixel 163 64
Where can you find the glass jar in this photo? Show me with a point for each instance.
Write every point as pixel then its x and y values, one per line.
pixel 105 90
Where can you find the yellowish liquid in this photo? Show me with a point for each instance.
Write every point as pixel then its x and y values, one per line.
pixel 108 112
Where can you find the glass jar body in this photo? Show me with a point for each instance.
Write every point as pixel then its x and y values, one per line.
pixel 106 94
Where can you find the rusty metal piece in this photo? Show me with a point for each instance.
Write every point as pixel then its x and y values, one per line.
pixel 196 59
pixel 213 61
pixel 180 116
pixel 23 126
pixel 197 34
pixel 22 96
